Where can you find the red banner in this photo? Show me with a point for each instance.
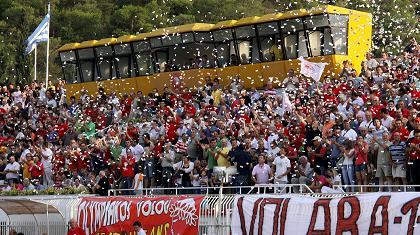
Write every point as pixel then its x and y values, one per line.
pixel 160 215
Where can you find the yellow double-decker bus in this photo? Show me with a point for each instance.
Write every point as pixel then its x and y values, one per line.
pixel 253 49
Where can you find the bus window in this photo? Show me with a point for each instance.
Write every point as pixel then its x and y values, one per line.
pixel 328 45
pixel 338 20
pixel 143 63
pixel 270 41
pixel 339 36
pixel 124 60
pixel 143 57
pixel 339 26
pixel 302 46
pixel 161 60
pixel 202 37
pixel 268 29
pixel 315 42
pixel 187 37
pixel 316 21
pixel 171 40
pixel 294 38
pixel 68 60
pixel 87 66
pixel 247 44
pixel 290 43
pixel 105 62
pixel 71 74
pixel 225 48
pixel 156 42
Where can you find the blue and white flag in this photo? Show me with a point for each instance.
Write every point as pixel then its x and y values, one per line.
pixel 41 34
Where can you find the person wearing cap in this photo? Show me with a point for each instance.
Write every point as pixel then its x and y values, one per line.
pixel 318 154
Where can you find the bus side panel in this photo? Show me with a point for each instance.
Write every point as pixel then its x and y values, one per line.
pixel 359 38
pixel 275 71
pixel 196 77
pixel 227 74
pixel 109 86
pixel 128 85
pixel 251 75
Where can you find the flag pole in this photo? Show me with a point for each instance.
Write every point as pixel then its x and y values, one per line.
pixel 35 65
pixel 48 49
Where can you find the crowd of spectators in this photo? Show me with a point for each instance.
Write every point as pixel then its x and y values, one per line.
pixel 353 129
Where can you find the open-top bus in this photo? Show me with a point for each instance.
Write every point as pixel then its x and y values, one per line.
pixel 253 49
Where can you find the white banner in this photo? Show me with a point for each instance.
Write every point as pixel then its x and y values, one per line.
pixel 375 213
pixel 311 69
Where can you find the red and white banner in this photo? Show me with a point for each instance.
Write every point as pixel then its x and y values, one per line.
pixel 160 215
pixel 376 213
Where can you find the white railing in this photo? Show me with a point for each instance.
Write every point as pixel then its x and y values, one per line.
pixel 258 189
pixel 376 188
pixel 33 227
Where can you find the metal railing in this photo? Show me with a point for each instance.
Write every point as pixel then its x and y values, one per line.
pixel 376 188
pixel 255 189
pixel 33 227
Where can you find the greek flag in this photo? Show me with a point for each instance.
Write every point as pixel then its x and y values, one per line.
pixel 41 34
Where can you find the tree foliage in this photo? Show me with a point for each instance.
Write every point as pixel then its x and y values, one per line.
pixel 80 20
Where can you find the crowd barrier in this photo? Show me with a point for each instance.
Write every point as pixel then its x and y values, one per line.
pixel 215 210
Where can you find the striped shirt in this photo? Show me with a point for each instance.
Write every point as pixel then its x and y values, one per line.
pixel 181 147
pixel 398 152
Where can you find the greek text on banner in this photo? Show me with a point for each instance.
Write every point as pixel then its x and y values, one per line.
pixel 159 215
pixel 376 213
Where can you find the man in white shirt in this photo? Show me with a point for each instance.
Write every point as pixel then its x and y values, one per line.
pixel 138 228
pixel 12 170
pixel 368 123
pixel 348 133
pixel 136 150
pixel 386 119
pixel 46 159
pixel 281 168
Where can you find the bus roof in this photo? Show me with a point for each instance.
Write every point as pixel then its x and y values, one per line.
pixel 203 27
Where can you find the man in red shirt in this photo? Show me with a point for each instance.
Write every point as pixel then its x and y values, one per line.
pixel 127 170
pixel 399 128
pixel 74 229
pixel 319 181
pixel 37 169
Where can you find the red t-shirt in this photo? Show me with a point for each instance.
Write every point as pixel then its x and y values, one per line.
pixel 361 157
pixel 413 154
pixel 35 172
pixel 75 231
pixel 404 133
pixel 127 166
pixel 322 180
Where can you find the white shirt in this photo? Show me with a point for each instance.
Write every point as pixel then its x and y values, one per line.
pixel 368 125
pixel 141 232
pixel 137 151
pixel 12 167
pixel 282 163
pixel 52 103
pixel 387 122
pixel 349 134
pixel 46 158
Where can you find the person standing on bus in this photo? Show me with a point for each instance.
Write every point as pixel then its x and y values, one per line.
pixel 276 51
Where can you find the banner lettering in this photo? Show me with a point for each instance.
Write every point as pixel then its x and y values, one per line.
pixel 160 215
pixel 376 213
